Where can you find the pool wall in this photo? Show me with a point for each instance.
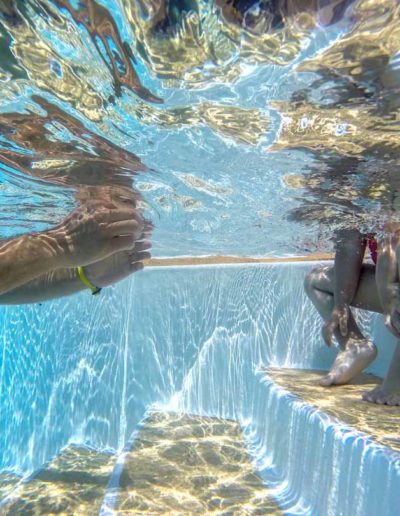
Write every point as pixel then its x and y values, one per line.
pixel 85 369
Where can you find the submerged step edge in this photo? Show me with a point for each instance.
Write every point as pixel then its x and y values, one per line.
pixel 322 464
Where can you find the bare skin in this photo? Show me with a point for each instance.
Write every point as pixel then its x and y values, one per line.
pixel 388 286
pixel 356 351
pixel 66 281
pixel 107 234
pixel 333 289
pixel 389 392
pixel 91 233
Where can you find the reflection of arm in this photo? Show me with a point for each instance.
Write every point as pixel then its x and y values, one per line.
pixel 350 249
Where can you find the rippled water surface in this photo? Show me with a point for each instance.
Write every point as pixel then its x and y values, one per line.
pixel 248 128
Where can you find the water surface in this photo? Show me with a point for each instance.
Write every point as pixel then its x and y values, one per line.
pixel 256 129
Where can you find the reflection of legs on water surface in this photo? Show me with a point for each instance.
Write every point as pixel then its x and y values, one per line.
pixel 356 352
pixel 389 392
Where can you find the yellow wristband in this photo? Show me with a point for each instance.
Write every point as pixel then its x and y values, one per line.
pixel 86 281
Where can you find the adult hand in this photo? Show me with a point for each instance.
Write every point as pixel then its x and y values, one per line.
pixel 119 265
pixel 116 194
pixel 94 231
pixel 337 321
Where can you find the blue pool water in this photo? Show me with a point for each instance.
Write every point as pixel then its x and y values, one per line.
pixel 247 132
pixel 192 339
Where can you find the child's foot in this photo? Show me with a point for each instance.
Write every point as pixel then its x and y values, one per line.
pixel 389 392
pixel 383 395
pixel 350 361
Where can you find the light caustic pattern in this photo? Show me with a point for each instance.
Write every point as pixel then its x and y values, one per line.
pixel 95 380
pixel 193 339
pixel 243 128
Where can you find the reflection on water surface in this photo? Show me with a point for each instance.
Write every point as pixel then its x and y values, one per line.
pixel 226 117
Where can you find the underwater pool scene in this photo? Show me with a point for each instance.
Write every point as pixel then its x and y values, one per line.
pixel 240 138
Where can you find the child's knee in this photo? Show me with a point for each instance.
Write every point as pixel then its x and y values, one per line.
pixel 309 282
pixel 313 278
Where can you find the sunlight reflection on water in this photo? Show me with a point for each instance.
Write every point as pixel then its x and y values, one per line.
pixel 98 92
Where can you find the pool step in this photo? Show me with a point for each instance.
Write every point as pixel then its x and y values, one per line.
pixel 344 402
pixel 8 481
pixel 187 464
pixel 330 452
pixel 74 482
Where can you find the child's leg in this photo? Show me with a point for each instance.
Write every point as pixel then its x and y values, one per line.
pixel 356 352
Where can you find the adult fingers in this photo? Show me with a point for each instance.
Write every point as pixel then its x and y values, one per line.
pixel 136 254
pixel 122 243
pixel 143 255
pixel 138 247
pixel 110 215
pixel 142 245
pixel 125 227
pixel 137 266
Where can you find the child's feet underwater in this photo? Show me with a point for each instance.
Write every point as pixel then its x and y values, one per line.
pixel 389 392
pixel 350 362
pixel 385 394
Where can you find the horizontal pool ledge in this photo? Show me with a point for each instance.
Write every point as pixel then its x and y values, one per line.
pixel 216 260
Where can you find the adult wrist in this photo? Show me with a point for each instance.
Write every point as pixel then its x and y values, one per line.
pixel 56 249
pixel 82 274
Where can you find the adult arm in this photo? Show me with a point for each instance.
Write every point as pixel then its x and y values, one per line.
pixel 92 232
pixel 66 281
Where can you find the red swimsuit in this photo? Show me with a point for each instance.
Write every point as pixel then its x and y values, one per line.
pixel 372 246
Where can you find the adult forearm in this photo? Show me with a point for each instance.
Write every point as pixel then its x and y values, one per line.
pixel 54 284
pixel 350 249
pixel 25 258
pixel 92 232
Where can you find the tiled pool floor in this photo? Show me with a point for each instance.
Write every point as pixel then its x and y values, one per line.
pixel 74 483
pixel 179 464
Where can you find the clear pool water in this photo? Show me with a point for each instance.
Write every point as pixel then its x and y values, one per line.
pixel 192 339
pixel 239 128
